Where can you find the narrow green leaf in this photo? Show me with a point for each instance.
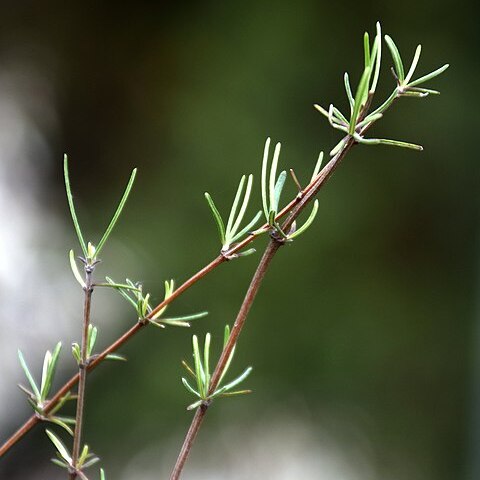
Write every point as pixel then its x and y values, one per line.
pixel 386 104
pixel 226 335
pixel 277 191
pixel 397 60
pixel 235 393
pixel 46 362
pixel 217 217
pixel 336 149
pixel 184 318
pixel 91 461
pixel 273 176
pixel 91 339
pixel 246 253
pixel 243 208
pixel 414 64
pixel 49 371
pixel 307 224
pixel 318 165
pixel 116 357
pixel 248 227
pixel 359 96
pixel 76 352
pixel 348 90
pixel 370 119
pixel 206 361
pixel 118 212
pixel 199 373
pixel 431 75
pixel 322 110
pixel 76 273
pixel 339 115
pixel 378 58
pixel 233 210
pixel 383 141
pixel 83 455
pixel 102 474
pixel 72 206
pixel 62 450
pixel 59 463
pixel 29 376
pixel 264 178
pixel 195 405
pixel 235 382
pixel 366 49
pixel 61 423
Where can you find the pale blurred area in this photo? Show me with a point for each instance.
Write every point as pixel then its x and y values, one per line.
pixel 362 337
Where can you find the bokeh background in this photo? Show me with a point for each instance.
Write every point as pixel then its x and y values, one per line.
pixel 365 338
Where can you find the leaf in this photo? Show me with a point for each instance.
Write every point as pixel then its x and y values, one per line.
pixel 199 373
pixel 189 387
pixel 348 90
pixel 243 208
pixel 76 273
pixel 72 206
pixel 118 212
pixel 378 58
pixel 233 210
pixel 397 60
pixel 264 178
pixel 184 318
pixel 307 224
pixel 366 49
pixel 217 217
pixel 248 227
pixel 414 64
pixel 277 191
pixel 62 450
pixel 29 376
pixel 383 141
pixel 58 421
pixel 91 338
pixel 234 383
pixel 76 352
pixel 116 357
pixel 275 186
pixel 360 94
pixel 49 370
pixel 431 75
pixel 102 474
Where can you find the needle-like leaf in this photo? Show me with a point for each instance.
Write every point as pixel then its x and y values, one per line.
pixel 431 75
pixel 307 224
pixel 72 206
pixel 217 217
pixel 397 60
pixel 75 271
pixel 359 96
pixel 62 450
pixel 118 212
pixel 29 376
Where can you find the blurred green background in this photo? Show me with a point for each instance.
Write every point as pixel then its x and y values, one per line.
pixel 363 336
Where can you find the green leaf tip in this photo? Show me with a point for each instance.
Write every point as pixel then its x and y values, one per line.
pixel 71 206
pixel 118 211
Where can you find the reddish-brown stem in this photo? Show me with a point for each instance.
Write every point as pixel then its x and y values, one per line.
pixel 188 442
pixel 82 371
pixel 247 303
pixel 252 291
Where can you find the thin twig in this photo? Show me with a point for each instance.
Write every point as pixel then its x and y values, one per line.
pixel 82 371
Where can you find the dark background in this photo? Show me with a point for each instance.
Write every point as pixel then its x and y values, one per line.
pixel 364 330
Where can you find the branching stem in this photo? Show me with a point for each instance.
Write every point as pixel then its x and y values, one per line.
pixel 296 205
pixel 257 279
